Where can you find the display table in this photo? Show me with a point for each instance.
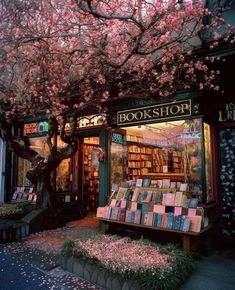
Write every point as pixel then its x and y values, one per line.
pixel 186 236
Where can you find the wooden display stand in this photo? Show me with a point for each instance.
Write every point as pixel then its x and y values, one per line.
pixel 187 237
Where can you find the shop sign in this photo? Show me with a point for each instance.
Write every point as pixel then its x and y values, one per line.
pixel 117 138
pixel 228 113
pixel 35 128
pixel 160 112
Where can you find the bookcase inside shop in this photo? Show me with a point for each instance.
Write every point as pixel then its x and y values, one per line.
pixel 144 160
pixel 91 176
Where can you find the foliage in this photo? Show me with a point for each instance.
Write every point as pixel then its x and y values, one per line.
pixel 59 57
pixel 151 265
pixel 67 248
pixel 11 210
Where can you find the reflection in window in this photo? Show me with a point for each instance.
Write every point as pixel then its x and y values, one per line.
pixel 40 146
pixel 62 171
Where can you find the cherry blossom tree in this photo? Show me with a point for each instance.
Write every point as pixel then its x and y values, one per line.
pixel 60 56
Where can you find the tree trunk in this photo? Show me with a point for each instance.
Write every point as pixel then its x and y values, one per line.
pixel 44 191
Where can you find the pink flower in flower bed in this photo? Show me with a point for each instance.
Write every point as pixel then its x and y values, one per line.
pixel 123 254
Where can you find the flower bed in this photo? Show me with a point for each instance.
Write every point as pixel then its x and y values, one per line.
pixel 14 211
pixel 150 265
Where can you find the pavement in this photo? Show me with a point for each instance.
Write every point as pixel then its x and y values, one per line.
pixel 213 272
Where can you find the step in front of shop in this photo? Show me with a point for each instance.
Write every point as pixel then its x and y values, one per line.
pixel 11 231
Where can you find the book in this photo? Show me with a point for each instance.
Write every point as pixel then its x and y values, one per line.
pixel 128 216
pixel 133 205
pixel 113 202
pixel 14 196
pixel 172 184
pixel 193 202
pixel 177 222
pixel 100 212
pixel 180 199
pixel 67 198
pixel 168 199
pixel 145 196
pixel 166 183
pixel 191 211
pixel 158 208
pixel 153 183
pixel 114 213
pixel 150 219
pixel 122 192
pixel 185 224
pixel 139 182
pixel 159 183
pixel 146 182
pixel 183 187
pixel 159 220
pixel 123 203
pixel 30 197
pixel 135 194
pixel 157 197
pixel 196 223
pixel 144 217
pixel 170 220
pixel 177 210
pixel 121 214
pixel 155 219
pixel 164 220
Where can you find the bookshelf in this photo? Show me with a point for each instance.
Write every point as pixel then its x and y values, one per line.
pixel 91 177
pixel 144 160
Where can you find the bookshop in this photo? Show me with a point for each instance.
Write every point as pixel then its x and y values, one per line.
pixel 160 170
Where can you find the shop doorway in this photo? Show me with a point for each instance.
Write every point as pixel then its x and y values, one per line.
pixel 88 173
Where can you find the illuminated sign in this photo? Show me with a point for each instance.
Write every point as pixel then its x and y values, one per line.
pixel 117 138
pixel 228 114
pixel 35 128
pixel 161 112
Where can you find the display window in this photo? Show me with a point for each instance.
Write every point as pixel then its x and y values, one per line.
pixel 174 153
pixel 39 145
pixel 62 171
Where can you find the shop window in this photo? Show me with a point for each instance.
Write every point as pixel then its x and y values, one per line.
pixel 62 171
pixel 40 146
pixel 170 150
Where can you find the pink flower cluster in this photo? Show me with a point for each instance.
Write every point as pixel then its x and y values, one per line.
pixel 123 254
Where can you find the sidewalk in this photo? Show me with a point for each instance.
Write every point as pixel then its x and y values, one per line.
pixel 214 272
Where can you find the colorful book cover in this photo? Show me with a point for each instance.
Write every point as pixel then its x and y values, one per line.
pixel 121 214
pixel 192 211
pixel 139 182
pixel 114 213
pixel 123 203
pixel 183 187
pixel 193 202
pixel 177 210
pixel 196 223
pixel 170 220
pixel 144 217
pixel 150 219
pixel 128 216
pixel 137 217
pixel 146 182
pixel 185 224
pixel 177 222
pixel 133 205
pixel 155 219
pixel 168 199
pixel 14 196
pixel 178 198
pixel 164 220
pixel 158 208
pixel 113 202
pixel 159 219
pixel 122 191
pixel 142 196
pixel 166 183
pixel 135 194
